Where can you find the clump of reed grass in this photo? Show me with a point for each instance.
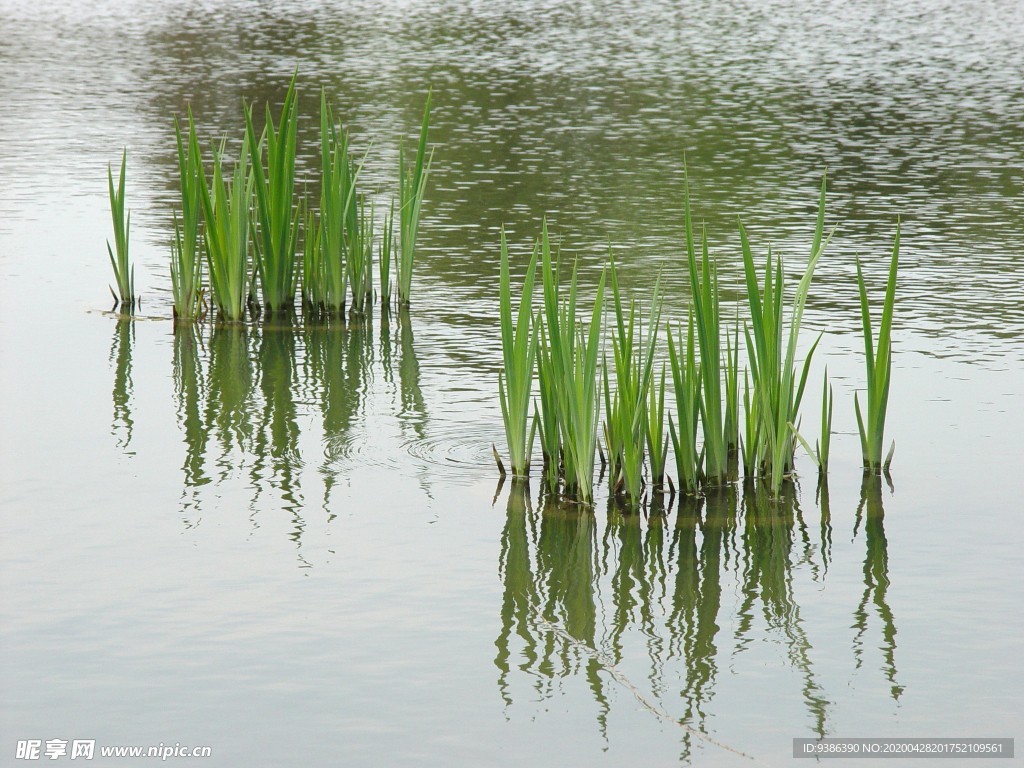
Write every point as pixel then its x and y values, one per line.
pixel 359 253
pixel 777 388
pixel 707 319
pixel 411 188
pixel 569 384
pixel 657 437
pixel 519 352
pixel 227 209
pixel 277 214
pixel 879 368
pixel 124 271
pixel 186 252
pixel 686 383
pixel 343 242
pixel 626 412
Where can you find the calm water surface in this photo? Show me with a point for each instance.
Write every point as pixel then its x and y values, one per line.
pixel 287 542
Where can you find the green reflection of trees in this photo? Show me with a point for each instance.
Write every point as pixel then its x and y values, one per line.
pixel 876 579
pixel 121 359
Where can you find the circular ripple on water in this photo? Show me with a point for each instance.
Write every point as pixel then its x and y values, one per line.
pixel 454 450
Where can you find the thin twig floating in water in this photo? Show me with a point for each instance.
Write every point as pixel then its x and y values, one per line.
pixel 609 665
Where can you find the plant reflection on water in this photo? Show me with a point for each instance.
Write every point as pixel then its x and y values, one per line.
pixel 657 582
pixel 662 581
pixel 243 393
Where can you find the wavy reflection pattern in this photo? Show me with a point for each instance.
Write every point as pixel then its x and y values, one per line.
pixel 280 408
pixel 653 594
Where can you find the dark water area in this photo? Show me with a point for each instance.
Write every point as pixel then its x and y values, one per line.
pixel 287 540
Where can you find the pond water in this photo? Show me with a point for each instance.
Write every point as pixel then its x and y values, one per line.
pixel 288 542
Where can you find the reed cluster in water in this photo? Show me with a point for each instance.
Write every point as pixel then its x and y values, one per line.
pixel 246 242
pixel 704 429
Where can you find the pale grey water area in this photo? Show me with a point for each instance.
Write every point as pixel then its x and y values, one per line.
pixel 285 543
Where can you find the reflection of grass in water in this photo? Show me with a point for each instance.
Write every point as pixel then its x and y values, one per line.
pixel 121 357
pixel 876 578
pixel 188 390
pixel 548 568
pixel 337 366
pixel 413 410
pixel 554 611
pixel 768 575
pixel 277 431
pixel 230 395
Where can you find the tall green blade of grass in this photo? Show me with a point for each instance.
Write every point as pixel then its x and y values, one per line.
pixel 634 365
pixel 186 260
pixel 569 379
pixel 732 402
pixel 686 381
pixel 227 208
pixel 825 442
pixel 778 389
pixel 336 191
pixel 879 367
pixel 314 280
pixel 276 210
pixel 359 252
pixel 819 454
pixel 347 245
pixel 411 188
pixel 124 272
pixel 549 365
pixel 387 249
pixel 581 396
pixel 704 288
pixel 547 418
pixel 519 351
pixel 750 444
pixel 657 437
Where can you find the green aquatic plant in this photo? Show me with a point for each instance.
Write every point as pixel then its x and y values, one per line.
pixel 359 252
pixel 341 234
pixel 411 188
pixel 186 252
pixel 820 452
pixel 277 214
pixel 657 437
pixel 777 389
pixel 387 253
pixel 519 352
pixel 706 311
pixel 686 383
pixel 879 368
pixel 626 415
pixel 825 442
pixel 314 282
pixel 570 352
pixel 731 426
pixel 124 271
pixel 227 208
